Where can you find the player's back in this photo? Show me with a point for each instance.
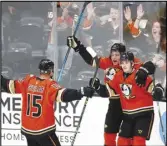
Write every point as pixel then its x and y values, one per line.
pixel 37 106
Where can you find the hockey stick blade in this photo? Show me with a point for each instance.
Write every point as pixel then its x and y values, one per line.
pixel 75 31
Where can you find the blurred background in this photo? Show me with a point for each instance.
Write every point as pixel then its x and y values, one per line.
pixel 35 30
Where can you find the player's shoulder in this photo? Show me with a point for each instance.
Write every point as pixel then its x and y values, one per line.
pixel 104 58
pixel 54 84
pixel 30 76
pixel 119 73
pixel 27 77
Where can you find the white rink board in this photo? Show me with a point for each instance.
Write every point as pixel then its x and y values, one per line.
pixel 67 114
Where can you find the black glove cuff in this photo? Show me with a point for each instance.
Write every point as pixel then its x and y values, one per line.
pixel 79 95
pixel 144 69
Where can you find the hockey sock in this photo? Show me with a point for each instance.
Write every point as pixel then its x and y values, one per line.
pixel 110 139
pixel 139 141
pixel 122 141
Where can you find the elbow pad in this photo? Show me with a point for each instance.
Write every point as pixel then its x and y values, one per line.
pixel 88 54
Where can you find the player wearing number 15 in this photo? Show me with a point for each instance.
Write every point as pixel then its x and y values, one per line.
pixel 38 97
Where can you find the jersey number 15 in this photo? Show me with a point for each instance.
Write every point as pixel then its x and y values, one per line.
pixel 34 100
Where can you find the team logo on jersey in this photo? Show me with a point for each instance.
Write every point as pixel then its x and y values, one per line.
pixel 126 90
pixel 140 131
pixel 110 73
pixel 105 126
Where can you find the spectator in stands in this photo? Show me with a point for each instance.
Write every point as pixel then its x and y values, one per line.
pixel 143 30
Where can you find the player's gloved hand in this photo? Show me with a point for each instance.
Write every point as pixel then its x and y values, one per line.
pixel 141 77
pixel 158 92
pixel 74 43
pixel 148 68
pixel 95 84
pixel 87 91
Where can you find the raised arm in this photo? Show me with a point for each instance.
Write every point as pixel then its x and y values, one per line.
pixel 11 86
pixel 60 94
pixel 87 53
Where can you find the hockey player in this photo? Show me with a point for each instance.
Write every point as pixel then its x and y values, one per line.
pixel 114 113
pixel 38 97
pixel 136 102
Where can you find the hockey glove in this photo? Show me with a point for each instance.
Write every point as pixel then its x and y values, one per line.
pixel 87 91
pixel 150 67
pixel 141 76
pixel 74 43
pixel 158 92
pixel 96 84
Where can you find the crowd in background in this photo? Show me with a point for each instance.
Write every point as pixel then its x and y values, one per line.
pixel 27 29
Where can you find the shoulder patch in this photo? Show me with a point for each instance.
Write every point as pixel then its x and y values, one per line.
pixel 110 73
pixel 56 86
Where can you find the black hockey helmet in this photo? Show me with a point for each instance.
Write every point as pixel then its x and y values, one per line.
pixel 127 56
pixel 46 65
pixel 118 47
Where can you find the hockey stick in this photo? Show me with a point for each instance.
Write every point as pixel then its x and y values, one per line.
pixel 75 31
pixel 86 101
pixel 159 111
